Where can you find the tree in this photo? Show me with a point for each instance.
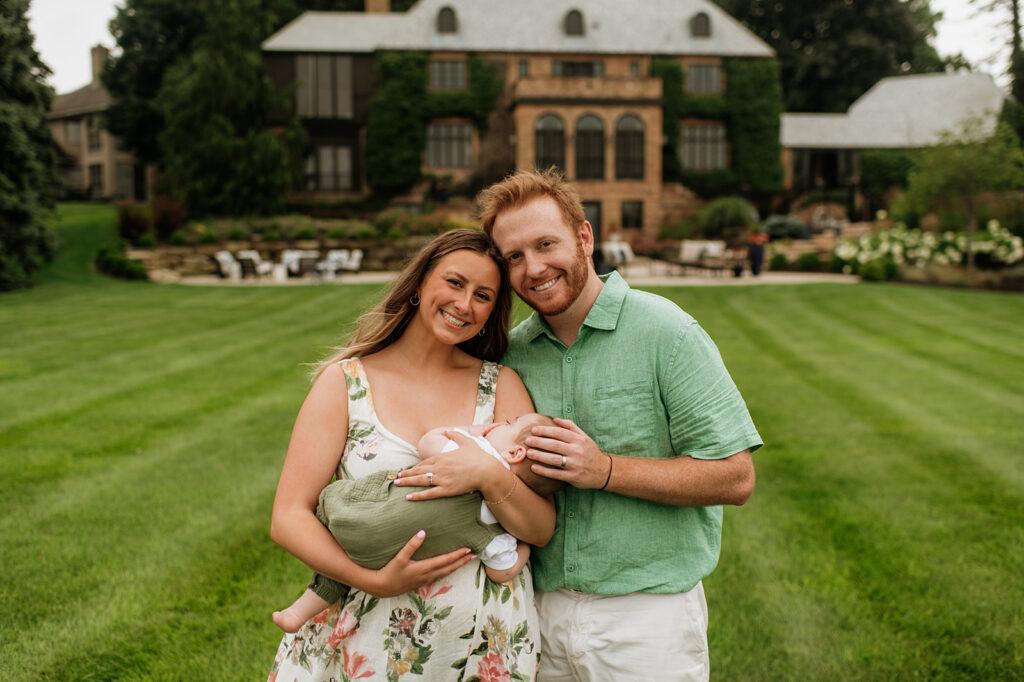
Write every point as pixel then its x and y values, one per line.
pixel 1016 67
pixel 965 164
pixel 218 151
pixel 28 171
pixel 832 51
pixel 152 35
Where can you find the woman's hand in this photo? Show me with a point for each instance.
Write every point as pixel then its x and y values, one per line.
pixel 402 574
pixel 453 473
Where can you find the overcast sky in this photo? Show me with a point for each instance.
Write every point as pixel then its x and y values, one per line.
pixel 66 29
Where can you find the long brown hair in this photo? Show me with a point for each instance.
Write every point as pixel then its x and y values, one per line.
pixel 383 324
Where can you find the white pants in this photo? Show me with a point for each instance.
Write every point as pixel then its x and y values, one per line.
pixel 643 637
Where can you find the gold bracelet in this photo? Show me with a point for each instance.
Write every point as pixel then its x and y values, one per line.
pixel 515 482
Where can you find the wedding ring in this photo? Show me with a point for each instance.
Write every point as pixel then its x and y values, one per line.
pixel 562 465
pixel 430 478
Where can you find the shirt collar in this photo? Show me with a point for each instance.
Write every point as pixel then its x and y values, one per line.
pixel 604 314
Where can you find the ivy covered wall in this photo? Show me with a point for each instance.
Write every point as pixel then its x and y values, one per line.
pixel 396 130
pixel 751 107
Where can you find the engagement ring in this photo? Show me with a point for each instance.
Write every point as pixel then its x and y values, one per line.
pixel 430 477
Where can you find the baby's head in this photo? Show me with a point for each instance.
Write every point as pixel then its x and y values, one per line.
pixel 509 439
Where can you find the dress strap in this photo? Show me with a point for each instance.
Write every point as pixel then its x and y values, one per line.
pixel 360 402
pixel 486 389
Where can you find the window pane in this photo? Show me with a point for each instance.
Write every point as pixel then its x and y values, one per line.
pixel 704 79
pixel 703 147
pixel 632 214
pixel 73 132
pixel 343 87
pixel 589 148
pixel 305 86
pixel 324 89
pixel 325 158
pixel 125 180
pixel 448 75
pixel 449 145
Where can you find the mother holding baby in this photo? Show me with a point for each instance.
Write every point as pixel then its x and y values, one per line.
pixel 423 358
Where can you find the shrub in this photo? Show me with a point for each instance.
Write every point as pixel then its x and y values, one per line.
pixel 113 262
pixel 808 262
pixel 168 216
pixel 778 262
pixel 785 227
pixel 305 233
pixel 726 218
pixel 237 234
pixel 132 222
pixel 146 241
pixel 873 270
pixel 178 238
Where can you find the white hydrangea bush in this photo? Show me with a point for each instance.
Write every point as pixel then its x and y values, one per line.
pixel 995 246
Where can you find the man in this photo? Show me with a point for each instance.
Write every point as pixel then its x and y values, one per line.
pixel 652 437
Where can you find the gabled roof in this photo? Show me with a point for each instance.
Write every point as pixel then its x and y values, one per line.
pixel 85 100
pixel 611 27
pixel 900 112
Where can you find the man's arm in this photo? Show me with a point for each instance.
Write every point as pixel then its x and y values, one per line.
pixel 678 481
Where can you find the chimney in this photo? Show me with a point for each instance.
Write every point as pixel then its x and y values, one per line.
pixel 378 6
pixel 99 57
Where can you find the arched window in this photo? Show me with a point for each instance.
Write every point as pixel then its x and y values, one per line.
pixel 589 148
pixel 446 21
pixel 700 25
pixel 573 23
pixel 629 148
pixel 549 142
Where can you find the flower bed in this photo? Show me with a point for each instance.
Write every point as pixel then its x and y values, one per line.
pixel 923 256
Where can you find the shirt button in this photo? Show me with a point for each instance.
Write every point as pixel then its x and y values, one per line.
pixel 569 359
pixel 571 568
pixel 568 408
pixel 572 515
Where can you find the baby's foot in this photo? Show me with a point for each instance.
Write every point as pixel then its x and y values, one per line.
pixel 288 621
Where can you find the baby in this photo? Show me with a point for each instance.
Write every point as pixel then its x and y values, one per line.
pixel 372 520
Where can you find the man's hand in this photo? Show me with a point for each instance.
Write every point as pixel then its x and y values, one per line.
pixel 564 452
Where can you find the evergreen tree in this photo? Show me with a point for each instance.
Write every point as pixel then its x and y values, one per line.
pixel 28 174
pixel 219 153
pixel 832 51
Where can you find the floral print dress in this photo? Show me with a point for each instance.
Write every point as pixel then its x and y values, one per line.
pixel 462 627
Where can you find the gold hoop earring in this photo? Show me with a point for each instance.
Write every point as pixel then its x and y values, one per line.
pixel 414 300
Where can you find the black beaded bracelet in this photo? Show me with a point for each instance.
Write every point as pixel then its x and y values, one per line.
pixel 609 479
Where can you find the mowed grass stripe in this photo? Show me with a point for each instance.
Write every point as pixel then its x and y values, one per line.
pixel 857 536
pixel 157 508
pixel 154 355
pixel 927 394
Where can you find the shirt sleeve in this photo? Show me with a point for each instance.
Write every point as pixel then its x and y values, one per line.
pixel 501 552
pixel 708 418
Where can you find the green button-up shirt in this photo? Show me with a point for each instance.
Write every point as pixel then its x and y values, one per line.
pixel 643 380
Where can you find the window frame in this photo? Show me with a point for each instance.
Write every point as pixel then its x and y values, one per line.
pixel 590 148
pixel 449 141
pixel 630 151
pixel 703 146
pixel 552 140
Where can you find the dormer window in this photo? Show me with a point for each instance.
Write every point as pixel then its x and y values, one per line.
pixel 700 25
pixel 573 23
pixel 446 21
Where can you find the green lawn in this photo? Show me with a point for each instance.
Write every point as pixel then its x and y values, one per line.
pixel 142 429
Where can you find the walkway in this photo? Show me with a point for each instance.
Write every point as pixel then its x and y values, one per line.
pixel 641 272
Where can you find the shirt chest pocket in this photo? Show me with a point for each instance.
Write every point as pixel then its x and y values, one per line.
pixel 624 419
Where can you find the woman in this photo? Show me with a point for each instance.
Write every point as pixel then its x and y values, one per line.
pixel 422 358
